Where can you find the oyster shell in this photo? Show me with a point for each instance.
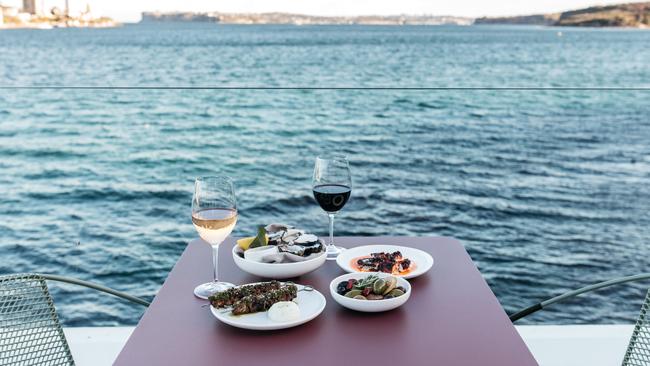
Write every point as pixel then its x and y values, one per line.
pixel 302 248
pixel 291 235
pixel 265 254
pixel 275 232
pixel 275 228
pixel 286 244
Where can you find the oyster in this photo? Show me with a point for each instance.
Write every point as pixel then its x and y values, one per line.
pixel 303 245
pixel 274 228
pixel 306 239
pixel 282 234
pixel 285 244
pixel 275 232
pixel 295 243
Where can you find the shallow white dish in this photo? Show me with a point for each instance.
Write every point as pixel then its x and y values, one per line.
pixel 423 260
pixel 311 304
pixel 277 271
pixel 370 306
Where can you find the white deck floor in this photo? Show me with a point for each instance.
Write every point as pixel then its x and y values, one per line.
pixel 572 345
pixel 552 345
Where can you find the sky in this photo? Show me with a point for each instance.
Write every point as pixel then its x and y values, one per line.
pixel 129 10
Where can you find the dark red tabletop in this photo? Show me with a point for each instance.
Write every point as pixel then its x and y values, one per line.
pixel 452 318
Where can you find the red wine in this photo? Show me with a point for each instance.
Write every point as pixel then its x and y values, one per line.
pixel 332 197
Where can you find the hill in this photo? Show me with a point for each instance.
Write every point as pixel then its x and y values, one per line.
pixel 620 15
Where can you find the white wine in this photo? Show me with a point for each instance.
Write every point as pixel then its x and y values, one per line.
pixel 214 224
pixel 214 215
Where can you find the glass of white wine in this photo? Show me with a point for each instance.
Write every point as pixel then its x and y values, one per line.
pixel 214 215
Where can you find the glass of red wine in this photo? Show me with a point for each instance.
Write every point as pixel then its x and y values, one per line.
pixel 332 184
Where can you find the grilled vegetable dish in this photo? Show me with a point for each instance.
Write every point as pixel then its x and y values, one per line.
pixel 370 288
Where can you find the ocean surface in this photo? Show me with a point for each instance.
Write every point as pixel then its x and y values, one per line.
pixel 548 190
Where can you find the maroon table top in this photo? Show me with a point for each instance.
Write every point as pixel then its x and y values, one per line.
pixel 452 318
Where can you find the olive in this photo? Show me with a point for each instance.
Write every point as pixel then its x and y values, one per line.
pixel 396 293
pixel 379 286
pixel 341 290
pixel 353 293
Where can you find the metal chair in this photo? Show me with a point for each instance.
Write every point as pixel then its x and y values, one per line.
pixel 638 349
pixel 30 332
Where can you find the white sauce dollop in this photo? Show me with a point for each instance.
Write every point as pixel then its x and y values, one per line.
pixel 284 311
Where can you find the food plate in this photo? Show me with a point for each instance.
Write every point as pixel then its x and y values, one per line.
pixel 311 304
pixel 422 260
pixel 370 306
pixel 277 271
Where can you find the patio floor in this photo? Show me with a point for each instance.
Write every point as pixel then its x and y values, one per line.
pixel 552 345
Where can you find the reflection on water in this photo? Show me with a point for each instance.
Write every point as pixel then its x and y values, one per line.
pixel 547 190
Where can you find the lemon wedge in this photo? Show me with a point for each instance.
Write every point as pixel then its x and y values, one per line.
pixel 245 243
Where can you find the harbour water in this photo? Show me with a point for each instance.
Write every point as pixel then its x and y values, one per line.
pixel 548 190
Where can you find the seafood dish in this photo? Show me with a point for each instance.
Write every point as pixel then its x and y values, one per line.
pixel 279 243
pixel 248 299
pixel 401 261
pixel 370 288
pixel 393 263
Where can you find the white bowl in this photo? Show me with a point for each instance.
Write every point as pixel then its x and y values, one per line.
pixel 277 271
pixel 369 306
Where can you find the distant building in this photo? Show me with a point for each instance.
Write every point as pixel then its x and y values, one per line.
pixel 8 11
pixel 34 7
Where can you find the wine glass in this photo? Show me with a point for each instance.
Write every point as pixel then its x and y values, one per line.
pixel 214 215
pixel 332 185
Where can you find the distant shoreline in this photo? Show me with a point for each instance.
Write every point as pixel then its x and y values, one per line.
pixel 633 15
pixel 300 19
pixel 46 26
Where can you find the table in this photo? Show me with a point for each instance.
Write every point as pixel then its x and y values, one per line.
pixel 452 318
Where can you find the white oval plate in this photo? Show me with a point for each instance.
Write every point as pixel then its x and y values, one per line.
pixel 277 271
pixel 423 261
pixel 369 306
pixel 311 304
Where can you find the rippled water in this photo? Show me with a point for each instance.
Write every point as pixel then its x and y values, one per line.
pixel 548 190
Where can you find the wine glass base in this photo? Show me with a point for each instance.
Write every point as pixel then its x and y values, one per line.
pixel 208 289
pixel 333 251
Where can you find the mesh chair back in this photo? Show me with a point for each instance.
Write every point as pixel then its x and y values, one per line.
pixel 30 333
pixel 638 351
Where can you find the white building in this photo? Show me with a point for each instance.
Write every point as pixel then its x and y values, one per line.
pixel 74 8
pixel 9 11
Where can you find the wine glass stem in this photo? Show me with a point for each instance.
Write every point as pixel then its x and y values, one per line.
pixel 215 261
pixel 331 216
